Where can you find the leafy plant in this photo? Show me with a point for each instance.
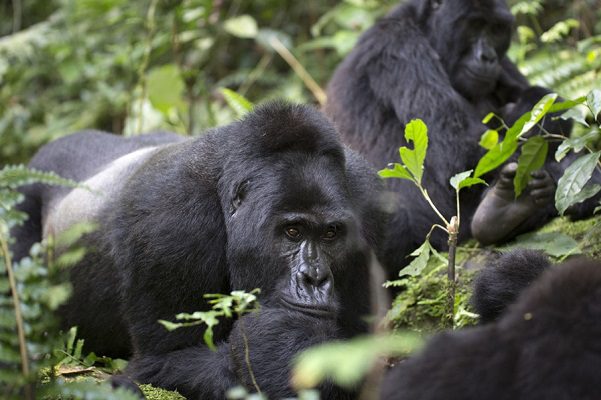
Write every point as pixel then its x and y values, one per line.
pixel 237 303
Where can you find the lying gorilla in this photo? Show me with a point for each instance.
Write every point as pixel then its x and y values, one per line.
pixel 545 346
pixel 443 61
pixel 272 201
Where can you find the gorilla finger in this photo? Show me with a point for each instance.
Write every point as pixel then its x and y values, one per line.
pixel 543 194
pixel 539 174
pixel 509 170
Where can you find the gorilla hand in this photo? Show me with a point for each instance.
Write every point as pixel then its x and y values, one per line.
pixel 500 215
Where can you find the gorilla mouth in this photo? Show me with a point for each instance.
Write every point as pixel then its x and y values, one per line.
pixel 481 76
pixel 316 309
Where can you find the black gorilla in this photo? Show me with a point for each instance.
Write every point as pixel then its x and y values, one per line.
pixel 442 61
pixel 545 346
pixel 272 201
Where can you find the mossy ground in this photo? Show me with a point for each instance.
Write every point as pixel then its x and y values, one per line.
pixel 420 306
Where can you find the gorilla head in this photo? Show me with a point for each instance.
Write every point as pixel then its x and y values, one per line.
pixel 471 37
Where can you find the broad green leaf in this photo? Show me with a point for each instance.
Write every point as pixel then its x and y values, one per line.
pixel 593 101
pixel 571 186
pixel 555 244
pixel 397 171
pixel 471 181
pixel 243 26
pixel 576 144
pixel 422 255
pixel 567 104
pixel 456 180
pixel 496 156
pixel 346 362
pixel 165 87
pixel 539 110
pixel 576 115
pixel 489 139
pixel 532 157
pixel 488 117
pixel 416 132
pixel 236 101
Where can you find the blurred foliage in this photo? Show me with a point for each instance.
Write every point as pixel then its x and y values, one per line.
pixel 131 66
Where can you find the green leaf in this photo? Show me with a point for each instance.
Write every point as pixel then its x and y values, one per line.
pixel 539 110
pixel 456 180
pixel 556 244
pixel 236 101
pixel 488 117
pixel 243 26
pixel 13 176
pixel 496 156
pixel 576 115
pixel 489 139
pixel 416 131
pixel 398 171
pixel 567 104
pixel 576 143
pixel 593 101
pixel 165 88
pixel 532 158
pixel 346 362
pixel 571 186
pixel 422 255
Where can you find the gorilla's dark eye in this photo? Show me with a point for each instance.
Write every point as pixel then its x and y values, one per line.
pixel 292 232
pixel 331 233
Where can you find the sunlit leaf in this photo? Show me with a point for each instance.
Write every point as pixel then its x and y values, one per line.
pixel 165 87
pixel 489 139
pixel 237 102
pixel 397 171
pixel 532 158
pixel 556 244
pixel 576 115
pixel 417 265
pixel 416 132
pixel 539 110
pixel 593 101
pixel 496 156
pixel 346 362
pixel 488 117
pixel 576 143
pixel 571 186
pixel 243 26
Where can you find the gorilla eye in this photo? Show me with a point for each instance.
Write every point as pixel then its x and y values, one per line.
pixel 293 233
pixel 331 233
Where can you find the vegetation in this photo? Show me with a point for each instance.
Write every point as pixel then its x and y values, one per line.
pixel 133 66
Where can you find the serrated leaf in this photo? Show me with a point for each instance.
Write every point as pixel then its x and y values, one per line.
pixel 413 159
pixel 13 176
pixel 539 110
pixel 593 101
pixel 243 26
pixel 489 139
pixel 237 102
pixel 571 186
pixel 422 255
pixel 397 171
pixel 488 117
pixel 532 158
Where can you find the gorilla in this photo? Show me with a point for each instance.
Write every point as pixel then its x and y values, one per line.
pixel 443 61
pixel 272 201
pixel 544 346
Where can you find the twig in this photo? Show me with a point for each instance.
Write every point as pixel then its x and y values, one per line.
pixel 247 357
pixel 453 232
pixel 151 26
pixel 317 91
pixel 18 316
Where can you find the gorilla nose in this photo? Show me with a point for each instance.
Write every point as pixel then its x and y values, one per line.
pixel 315 276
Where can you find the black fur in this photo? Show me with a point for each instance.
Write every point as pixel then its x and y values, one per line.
pixel 545 347
pixel 210 215
pixel 499 284
pixel 415 63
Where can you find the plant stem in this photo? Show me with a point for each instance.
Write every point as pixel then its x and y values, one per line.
pixel 247 357
pixel 429 200
pixel 18 316
pixel 453 232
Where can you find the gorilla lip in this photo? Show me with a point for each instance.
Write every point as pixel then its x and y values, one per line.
pixel 308 308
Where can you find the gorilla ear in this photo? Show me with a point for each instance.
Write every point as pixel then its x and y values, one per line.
pixel 238 196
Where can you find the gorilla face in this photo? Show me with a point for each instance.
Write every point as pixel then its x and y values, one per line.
pixel 471 37
pixel 306 232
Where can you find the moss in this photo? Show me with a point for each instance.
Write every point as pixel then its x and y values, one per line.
pixel 420 305
pixel 153 393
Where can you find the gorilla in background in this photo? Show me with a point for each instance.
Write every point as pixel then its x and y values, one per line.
pixel 443 61
pixel 272 201
pixel 545 346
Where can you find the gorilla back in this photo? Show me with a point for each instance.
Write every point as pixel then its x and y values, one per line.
pixel 272 201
